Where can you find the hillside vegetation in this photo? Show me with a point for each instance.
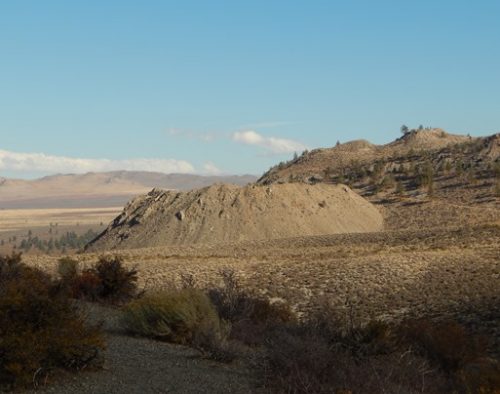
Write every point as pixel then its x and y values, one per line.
pixel 426 178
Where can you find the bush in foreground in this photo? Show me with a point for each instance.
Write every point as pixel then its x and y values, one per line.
pixel 40 328
pixel 307 358
pixel 320 354
pixel 178 316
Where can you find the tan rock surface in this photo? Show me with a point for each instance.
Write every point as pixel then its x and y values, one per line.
pixel 226 213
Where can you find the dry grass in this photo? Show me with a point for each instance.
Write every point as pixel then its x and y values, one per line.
pixel 385 276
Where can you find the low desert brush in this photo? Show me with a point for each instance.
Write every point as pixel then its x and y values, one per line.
pixel 320 354
pixel 177 316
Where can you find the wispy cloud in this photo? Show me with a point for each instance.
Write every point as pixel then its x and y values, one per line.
pixel 271 144
pixel 40 162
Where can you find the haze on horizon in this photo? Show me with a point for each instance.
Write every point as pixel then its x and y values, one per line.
pixel 226 88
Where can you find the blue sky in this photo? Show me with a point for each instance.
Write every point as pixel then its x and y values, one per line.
pixel 233 86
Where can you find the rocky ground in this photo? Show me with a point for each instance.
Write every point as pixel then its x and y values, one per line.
pixel 137 365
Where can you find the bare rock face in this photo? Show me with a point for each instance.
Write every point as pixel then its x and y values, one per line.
pixel 226 213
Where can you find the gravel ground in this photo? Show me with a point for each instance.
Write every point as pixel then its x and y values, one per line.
pixel 136 365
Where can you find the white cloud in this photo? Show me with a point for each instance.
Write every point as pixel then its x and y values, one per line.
pixel 249 137
pixel 271 144
pixel 210 168
pixel 40 162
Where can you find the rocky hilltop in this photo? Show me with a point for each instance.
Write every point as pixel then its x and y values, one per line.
pixel 225 213
pixel 347 157
pixel 426 178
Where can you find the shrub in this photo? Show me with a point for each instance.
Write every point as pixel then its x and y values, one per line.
pixel 86 286
pixel 68 269
pixel 178 316
pixel 312 358
pixel 446 343
pixel 250 316
pixel 329 352
pixel 480 376
pixel 118 283
pixel 108 280
pixel 40 329
pixel 297 361
pixel 386 183
pixel 400 188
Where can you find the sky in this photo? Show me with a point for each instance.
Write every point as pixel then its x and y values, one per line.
pixel 219 87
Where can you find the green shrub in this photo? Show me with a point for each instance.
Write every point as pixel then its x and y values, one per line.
pixel 178 316
pixel 40 329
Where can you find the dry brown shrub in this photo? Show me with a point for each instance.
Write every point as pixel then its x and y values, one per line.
pixel 446 343
pixel 107 281
pixel 462 355
pixel 86 286
pixel 250 315
pixel 40 328
pixel 118 283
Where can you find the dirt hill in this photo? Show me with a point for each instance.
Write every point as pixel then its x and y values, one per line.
pixel 225 213
pixel 426 178
pixel 353 153
pixel 90 190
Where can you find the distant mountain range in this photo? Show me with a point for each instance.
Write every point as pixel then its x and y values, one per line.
pixel 106 189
